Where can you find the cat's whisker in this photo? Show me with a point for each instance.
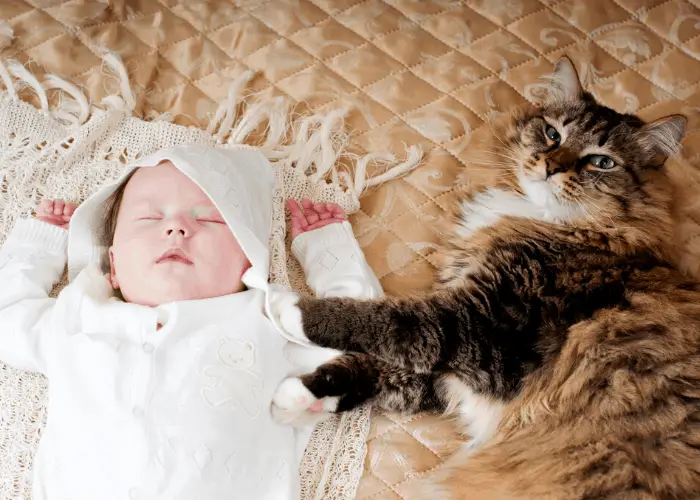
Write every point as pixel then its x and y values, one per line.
pixel 600 176
pixel 495 147
pixel 495 135
pixel 605 213
pixel 594 183
pixel 504 148
pixel 599 210
pixel 595 223
pixel 489 159
pixel 502 164
pixel 496 150
pixel 584 209
pixel 503 155
pixel 494 164
pixel 492 174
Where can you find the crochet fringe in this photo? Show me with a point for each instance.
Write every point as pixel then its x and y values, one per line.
pixel 312 145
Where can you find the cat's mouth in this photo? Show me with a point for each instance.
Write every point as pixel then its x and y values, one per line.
pixel 542 193
pixel 536 188
pixel 538 192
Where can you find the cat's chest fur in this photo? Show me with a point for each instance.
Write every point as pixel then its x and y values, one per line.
pixel 481 414
pixel 488 207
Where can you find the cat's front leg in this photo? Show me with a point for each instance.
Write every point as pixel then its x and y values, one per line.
pixel 286 314
pixel 287 309
pixel 351 380
pixel 401 331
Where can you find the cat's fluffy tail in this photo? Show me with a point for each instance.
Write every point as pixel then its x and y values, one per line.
pixel 470 475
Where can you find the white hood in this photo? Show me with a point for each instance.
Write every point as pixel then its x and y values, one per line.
pixel 239 181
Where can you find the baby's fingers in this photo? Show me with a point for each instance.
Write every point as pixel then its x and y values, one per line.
pixel 322 223
pixel 58 206
pixel 55 211
pixel 322 210
pixel 307 204
pixel 330 210
pixel 69 209
pixel 45 207
pixel 294 208
pixel 298 226
pixel 336 210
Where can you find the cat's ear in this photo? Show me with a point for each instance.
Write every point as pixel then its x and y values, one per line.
pixel 564 84
pixel 663 136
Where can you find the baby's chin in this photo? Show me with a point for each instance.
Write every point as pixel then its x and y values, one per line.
pixel 176 290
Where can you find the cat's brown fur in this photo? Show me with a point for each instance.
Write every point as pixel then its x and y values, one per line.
pixel 562 321
pixel 617 416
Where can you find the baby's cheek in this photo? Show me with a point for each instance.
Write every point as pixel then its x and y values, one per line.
pixel 134 252
pixel 232 265
pixel 234 255
pixel 237 268
pixel 225 263
pixel 132 259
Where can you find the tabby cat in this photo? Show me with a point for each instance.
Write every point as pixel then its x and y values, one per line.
pixel 559 332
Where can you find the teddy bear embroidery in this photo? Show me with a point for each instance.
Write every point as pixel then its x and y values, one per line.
pixel 230 381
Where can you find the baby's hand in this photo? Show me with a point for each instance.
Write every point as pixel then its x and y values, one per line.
pixel 55 212
pixel 313 216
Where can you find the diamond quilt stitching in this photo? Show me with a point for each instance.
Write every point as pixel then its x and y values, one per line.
pixel 324 53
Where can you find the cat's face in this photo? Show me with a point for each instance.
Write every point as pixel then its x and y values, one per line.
pixel 581 160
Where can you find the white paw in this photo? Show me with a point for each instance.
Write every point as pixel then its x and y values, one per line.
pixel 293 404
pixel 286 313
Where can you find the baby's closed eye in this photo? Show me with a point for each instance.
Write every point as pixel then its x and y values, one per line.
pixel 211 221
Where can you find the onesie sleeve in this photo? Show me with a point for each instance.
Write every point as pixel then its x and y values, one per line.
pixel 31 262
pixel 334 263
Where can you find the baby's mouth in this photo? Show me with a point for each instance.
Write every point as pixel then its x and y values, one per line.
pixel 174 255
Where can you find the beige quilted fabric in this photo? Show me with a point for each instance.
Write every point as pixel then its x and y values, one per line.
pixel 415 72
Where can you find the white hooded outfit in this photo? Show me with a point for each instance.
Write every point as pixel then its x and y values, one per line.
pixel 178 412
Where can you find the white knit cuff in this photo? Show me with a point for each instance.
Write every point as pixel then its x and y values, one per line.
pixel 35 233
pixel 327 236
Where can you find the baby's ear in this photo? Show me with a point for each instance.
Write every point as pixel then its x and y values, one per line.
pixel 112 272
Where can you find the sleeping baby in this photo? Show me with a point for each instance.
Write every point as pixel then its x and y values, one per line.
pixel 161 361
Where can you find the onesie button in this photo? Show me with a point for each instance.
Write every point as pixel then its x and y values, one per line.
pixel 138 412
pixel 148 348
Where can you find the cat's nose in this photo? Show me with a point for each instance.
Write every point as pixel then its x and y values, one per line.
pixel 552 167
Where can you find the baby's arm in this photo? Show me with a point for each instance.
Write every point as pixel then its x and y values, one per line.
pixel 31 262
pixel 326 247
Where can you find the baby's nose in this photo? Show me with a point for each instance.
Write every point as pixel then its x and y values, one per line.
pixel 177 226
pixel 176 231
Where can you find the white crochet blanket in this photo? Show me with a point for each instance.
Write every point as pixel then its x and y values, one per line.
pixel 69 150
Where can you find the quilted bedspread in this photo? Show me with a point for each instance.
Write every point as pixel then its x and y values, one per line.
pixel 412 72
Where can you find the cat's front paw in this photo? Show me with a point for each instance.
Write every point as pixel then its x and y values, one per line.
pixel 286 313
pixel 293 404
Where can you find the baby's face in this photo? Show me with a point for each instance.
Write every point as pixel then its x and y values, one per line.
pixel 171 242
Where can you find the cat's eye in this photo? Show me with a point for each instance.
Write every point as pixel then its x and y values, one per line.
pixel 552 134
pixel 601 161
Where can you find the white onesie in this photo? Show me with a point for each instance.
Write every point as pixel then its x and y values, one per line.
pixel 177 412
